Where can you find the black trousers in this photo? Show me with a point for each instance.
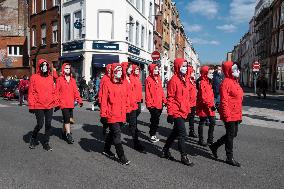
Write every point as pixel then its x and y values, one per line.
pixel 191 118
pixel 23 94
pixel 228 138
pixel 178 132
pixel 138 111
pixel 132 120
pixel 210 130
pixel 66 113
pixel 43 117
pixel 114 135
pixel 154 120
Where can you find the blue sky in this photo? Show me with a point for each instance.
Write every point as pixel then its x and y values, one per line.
pixel 215 26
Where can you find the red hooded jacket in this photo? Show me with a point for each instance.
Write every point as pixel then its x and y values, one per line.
pixel 105 79
pixel 178 98
pixel 231 96
pixel 130 90
pixel 42 92
pixel 154 93
pixel 205 95
pixel 67 92
pixel 192 87
pixel 137 85
pixel 114 99
pixel 23 85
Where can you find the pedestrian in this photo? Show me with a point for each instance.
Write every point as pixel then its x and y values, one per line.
pixel 205 107
pixel 192 93
pixel 137 87
pixel 42 98
pixel 23 90
pixel 68 93
pixel 113 109
pixel 216 82
pixel 262 86
pixel 154 99
pixel 178 105
pixel 82 86
pixel 231 98
pixel 105 79
pixel 132 106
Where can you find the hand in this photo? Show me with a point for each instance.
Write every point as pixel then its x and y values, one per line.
pixel 103 120
pixel 56 108
pixel 81 104
pixel 213 108
pixel 31 111
pixel 170 119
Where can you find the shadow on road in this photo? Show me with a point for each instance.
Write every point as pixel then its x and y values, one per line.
pixel 267 103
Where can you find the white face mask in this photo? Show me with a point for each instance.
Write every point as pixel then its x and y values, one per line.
pixel 67 71
pixel 219 71
pixel 43 68
pixel 156 71
pixel 210 75
pixel 183 70
pixel 118 74
pixel 129 70
pixel 136 71
pixel 235 71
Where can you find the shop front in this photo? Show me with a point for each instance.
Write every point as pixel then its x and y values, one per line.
pixel 280 74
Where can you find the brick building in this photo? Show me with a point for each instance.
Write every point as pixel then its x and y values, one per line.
pixel 158 29
pixel 45 30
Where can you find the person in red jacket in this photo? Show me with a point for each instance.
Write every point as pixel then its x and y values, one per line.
pixel 154 99
pixel 231 98
pixel 137 87
pixel 42 98
pixel 205 105
pixel 131 105
pixel 105 79
pixel 68 93
pixel 178 104
pixel 23 89
pixel 192 93
pixel 113 109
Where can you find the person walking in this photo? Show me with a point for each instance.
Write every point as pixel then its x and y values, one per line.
pixel 68 93
pixel 231 98
pixel 216 82
pixel 262 86
pixel 154 99
pixel 205 105
pixel 42 98
pixel 23 89
pixel 132 106
pixel 113 109
pixel 137 87
pixel 178 107
pixel 192 93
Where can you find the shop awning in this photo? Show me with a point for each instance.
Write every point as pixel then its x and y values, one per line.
pixel 138 60
pixel 71 57
pixel 101 60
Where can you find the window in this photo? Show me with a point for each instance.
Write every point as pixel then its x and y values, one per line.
pixel 33 36
pixel 143 7
pixel 138 4
pixel 54 32
pixel 43 34
pixel 43 4
pixel 280 41
pixel 137 34
pixel 282 13
pixel 150 41
pixel 142 36
pixel 66 28
pixel 15 50
pixel 77 31
pixel 55 3
pixel 34 7
pixel 131 29
pixel 150 11
pixel 105 28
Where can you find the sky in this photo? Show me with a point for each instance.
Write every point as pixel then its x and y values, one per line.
pixel 215 26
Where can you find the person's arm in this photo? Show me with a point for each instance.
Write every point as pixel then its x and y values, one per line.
pixel 31 94
pixel 224 102
pixel 104 99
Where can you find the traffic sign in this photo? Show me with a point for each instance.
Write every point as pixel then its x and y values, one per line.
pixel 156 56
pixel 255 66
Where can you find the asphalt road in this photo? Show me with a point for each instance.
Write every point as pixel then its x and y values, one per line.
pixel 259 147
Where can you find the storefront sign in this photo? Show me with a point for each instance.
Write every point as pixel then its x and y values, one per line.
pixel 133 50
pixel 106 46
pixel 73 46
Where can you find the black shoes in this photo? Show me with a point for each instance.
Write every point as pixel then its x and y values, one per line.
pixel 124 161
pixel 186 161
pixel 47 147
pixel 32 143
pixel 202 143
pixel 192 134
pixel 167 155
pixel 233 162
pixel 109 154
pixel 214 151
pixel 138 147
pixel 69 138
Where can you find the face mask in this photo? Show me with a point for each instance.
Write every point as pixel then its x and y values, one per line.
pixel 183 70
pixel 44 68
pixel 210 75
pixel 129 70
pixel 118 74
pixel 136 71
pixel 219 71
pixel 235 71
pixel 156 71
pixel 67 71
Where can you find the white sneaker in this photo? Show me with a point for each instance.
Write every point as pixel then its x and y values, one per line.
pixel 154 139
pixel 93 107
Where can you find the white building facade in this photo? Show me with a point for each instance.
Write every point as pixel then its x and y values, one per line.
pixel 96 33
pixel 191 56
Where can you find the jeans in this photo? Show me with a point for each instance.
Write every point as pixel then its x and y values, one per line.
pixel 23 96
pixel 43 116
pixel 178 132
pixel 210 130
pixel 155 119
pixel 228 138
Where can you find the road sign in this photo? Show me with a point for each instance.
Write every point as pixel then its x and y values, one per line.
pixel 156 56
pixel 256 67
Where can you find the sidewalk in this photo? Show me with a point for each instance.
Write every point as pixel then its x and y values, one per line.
pixel 269 95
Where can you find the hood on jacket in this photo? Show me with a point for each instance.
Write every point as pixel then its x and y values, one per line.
pixel 151 69
pixel 63 67
pixel 134 67
pixel 178 64
pixel 114 66
pixel 108 67
pixel 227 69
pixel 39 62
pixel 204 72
pixel 124 66
pixel 189 70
